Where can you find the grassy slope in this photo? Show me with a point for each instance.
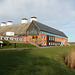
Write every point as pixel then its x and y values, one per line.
pixel 57 53
pixel 34 62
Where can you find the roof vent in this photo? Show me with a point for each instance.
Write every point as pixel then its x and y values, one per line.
pixel 9 23
pixel 24 20
pixel 33 18
pixel 3 23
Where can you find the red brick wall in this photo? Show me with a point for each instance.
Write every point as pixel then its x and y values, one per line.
pixel 58 39
pixel 44 41
pixel 40 40
pixel 28 38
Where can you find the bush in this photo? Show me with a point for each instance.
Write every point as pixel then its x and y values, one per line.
pixel 5 42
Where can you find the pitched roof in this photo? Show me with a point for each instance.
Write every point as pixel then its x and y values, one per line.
pixel 19 29
pixel 46 28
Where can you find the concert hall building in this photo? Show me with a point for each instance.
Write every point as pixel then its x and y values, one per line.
pixel 33 32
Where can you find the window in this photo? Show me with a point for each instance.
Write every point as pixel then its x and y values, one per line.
pixel 2 38
pixel 42 37
pixel 49 43
pixel 53 38
pixel 11 38
pixel 15 38
pixel 49 37
pixel 45 37
pixel 53 43
pixel 23 39
pixel 28 32
pixel 45 43
pixel 20 39
pixel 5 38
pixel 42 43
pixel 36 37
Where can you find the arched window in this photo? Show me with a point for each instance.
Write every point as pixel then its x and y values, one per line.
pixel 36 37
pixel 33 37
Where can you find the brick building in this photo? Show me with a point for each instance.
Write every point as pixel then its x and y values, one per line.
pixel 33 32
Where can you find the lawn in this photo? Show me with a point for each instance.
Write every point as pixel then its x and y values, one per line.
pixel 40 61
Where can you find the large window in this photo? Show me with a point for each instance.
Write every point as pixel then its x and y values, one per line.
pixel 51 38
pixel 33 30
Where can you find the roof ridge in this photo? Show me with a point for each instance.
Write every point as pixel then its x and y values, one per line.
pixel 15 25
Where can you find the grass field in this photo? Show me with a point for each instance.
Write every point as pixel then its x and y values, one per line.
pixel 40 61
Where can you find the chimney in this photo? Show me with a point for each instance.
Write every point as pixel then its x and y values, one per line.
pixel 9 23
pixel 33 19
pixel 24 20
pixel 3 23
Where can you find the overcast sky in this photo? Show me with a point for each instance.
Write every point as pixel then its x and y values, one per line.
pixel 59 14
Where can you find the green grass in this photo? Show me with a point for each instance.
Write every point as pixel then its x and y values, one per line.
pixel 57 53
pixel 20 45
pixel 42 61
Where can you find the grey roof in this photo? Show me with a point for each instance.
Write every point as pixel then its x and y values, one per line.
pixel 19 29
pixel 46 28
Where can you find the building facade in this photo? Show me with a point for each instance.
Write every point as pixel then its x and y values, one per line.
pixel 34 32
pixel 42 34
